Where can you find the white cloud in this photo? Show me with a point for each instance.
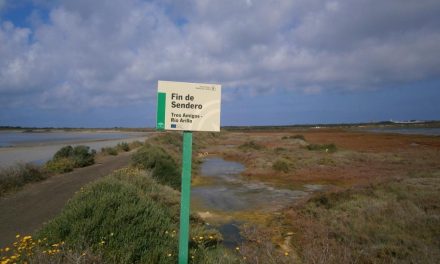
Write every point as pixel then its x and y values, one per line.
pixel 97 53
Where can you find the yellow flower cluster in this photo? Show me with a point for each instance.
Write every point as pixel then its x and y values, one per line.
pixel 172 234
pixel 202 239
pixel 24 247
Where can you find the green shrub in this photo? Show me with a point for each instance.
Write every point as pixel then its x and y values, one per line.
pixel 127 217
pixel 281 165
pixel 170 139
pixel 164 169
pixel 123 146
pixel 14 177
pixel 109 151
pixel 294 137
pixel 121 214
pixel 395 221
pixel 323 147
pixel 60 165
pixel 83 156
pixel 135 144
pixel 251 145
pixel 68 158
pixel 64 152
pixel 280 150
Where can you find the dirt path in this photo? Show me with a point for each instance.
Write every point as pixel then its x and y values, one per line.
pixel 26 211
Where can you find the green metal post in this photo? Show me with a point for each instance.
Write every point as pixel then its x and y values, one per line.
pixel 185 197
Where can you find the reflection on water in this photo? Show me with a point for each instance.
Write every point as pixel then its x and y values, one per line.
pixel 231 192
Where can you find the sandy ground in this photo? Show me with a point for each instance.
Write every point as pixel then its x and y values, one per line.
pixel 26 211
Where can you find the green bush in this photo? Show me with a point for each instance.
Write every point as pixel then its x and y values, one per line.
pixel 172 139
pixel 395 221
pixel 251 145
pixel 127 217
pixel 281 165
pixel 294 137
pixel 109 151
pixel 68 158
pixel 323 147
pixel 164 169
pixel 83 156
pixel 123 146
pixel 60 165
pixel 64 152
pixel 14 177
pixel 135 144
pixel 120 213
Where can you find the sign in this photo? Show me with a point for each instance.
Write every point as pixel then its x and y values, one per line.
pixel 188 106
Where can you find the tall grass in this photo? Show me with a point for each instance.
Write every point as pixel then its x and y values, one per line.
pixel 15 177
pixel 394 222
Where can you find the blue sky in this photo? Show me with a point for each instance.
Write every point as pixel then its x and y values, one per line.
pixel 82 63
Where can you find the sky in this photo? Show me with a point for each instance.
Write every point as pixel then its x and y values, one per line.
pixel 82 63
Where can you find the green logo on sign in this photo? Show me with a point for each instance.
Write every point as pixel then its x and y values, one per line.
pixel 160 118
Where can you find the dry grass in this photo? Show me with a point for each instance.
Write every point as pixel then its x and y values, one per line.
pixel 14 177
pixel 393 222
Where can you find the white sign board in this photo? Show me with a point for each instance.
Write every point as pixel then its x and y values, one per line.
pixel 188 106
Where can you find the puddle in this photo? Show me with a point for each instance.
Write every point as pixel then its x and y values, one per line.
pixel 231 192
pixel 231 234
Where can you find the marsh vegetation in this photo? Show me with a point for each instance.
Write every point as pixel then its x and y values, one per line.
pixel 366 198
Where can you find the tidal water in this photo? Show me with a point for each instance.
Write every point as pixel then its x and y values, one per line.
pixel 434 131
pixel 18 138
pixel 19 147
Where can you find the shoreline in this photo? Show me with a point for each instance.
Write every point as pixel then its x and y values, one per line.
pixel 40 152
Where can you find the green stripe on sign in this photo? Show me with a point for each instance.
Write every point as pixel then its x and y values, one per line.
pixel 160 118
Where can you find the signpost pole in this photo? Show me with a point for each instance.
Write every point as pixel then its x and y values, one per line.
pixel 185 197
